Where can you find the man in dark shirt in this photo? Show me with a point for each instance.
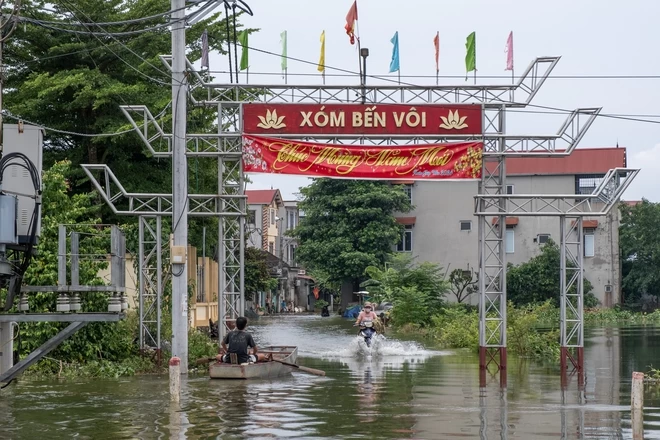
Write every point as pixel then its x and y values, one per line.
pixel 239 341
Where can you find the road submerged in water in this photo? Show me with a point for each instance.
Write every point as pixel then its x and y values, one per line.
pixel 403 390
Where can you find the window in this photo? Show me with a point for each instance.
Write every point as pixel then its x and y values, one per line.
pixel 408 189
pixel 272 216
pixel 252 217
pixel 292 254
pixel 405 245
pixel 589 243
pixel 543 238
pixel 509 244
pixel 509 189
pixel 291 220
pixel 466 225
pixel 587 183
pixel 271 247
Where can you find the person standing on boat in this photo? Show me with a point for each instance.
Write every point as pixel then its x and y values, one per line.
pixel 237 342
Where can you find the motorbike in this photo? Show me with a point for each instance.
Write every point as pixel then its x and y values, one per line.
pixel 367 332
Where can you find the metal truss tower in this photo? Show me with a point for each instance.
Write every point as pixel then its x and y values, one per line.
pixel 229 204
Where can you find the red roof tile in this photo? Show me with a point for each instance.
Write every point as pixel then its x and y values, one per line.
pixel 581 161
pixel 262 196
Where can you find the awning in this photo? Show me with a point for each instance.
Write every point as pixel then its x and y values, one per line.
pixel 587 224
pixel 406 220
pixel 510 221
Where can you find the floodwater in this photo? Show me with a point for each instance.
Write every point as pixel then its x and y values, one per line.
pixel 403 391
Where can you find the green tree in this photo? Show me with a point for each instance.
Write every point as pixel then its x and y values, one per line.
pixel 257 274
pixel 348 226
pixel 639 247
pixel 74 78
pixel 416 290
pixel 537 280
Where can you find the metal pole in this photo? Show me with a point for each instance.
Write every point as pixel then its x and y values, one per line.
pixel 142 279
pixel 222 276
pixel 2 79
pixel 179 185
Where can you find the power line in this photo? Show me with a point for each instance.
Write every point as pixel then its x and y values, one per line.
pixel 394 77
pixel 387 79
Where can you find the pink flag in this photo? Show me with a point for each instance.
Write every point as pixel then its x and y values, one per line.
pixel 436 43
pixel 509 52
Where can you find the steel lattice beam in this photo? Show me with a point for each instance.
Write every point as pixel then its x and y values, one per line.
pixel 599 203
pixel 151 280
pixel 514 95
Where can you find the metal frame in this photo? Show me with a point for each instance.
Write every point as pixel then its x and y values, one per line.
pixel 229 203
pixel 151 280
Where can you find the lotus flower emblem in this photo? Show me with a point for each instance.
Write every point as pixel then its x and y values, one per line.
pixel 271 121
pixel 453 121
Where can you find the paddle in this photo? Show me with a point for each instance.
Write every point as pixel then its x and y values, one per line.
pixel 304 369
pixel 301 368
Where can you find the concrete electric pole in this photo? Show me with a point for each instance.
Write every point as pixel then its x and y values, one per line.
pixel 179 250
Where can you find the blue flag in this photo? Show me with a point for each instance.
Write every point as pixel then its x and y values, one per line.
pixel 394 65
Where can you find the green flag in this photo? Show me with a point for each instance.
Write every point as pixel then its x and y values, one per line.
pixel 243 41
pixel 471 55
pixel 284 56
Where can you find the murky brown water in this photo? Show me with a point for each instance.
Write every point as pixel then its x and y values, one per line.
pixel 404 391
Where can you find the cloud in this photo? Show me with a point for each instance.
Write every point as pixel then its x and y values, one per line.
pixel 646 183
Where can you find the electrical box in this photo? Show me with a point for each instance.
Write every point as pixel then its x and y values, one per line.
pixel 8 205
pixel 26 139
pixel 177 253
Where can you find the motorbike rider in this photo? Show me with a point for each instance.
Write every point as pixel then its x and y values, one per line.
pixel 366 315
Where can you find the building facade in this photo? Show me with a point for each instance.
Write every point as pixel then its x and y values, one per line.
pixel 442 228
pixel 270 221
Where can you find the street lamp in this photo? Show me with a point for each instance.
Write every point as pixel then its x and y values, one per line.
pixel 364 53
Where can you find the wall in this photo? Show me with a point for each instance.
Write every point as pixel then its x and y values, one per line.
pixel 255 229
pixel 441 206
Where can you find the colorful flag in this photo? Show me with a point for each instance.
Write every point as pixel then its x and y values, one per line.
pixel 321 67
pixel 471 55
pixel 394 64
pixel 509 52
pixel 436 43
pixel 243 41
pixel 351 18
pixel 284 55
pixel 205 49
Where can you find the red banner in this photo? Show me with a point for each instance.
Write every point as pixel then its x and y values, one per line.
pixel 456 160
pixel 383 119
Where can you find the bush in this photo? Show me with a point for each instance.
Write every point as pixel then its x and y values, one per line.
pixel 457 327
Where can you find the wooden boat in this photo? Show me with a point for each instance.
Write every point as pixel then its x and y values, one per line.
pixel 260 370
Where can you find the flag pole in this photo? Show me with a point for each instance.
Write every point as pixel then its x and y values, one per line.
pixel 247 76
pixel 285 76
pixel 437 77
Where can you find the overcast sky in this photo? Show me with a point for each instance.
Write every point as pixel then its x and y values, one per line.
pixel 593 37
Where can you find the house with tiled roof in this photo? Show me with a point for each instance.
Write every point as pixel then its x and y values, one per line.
pixel 442 227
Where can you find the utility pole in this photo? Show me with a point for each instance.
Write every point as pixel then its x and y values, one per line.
pixel 179 252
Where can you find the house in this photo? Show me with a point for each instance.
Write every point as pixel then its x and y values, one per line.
pixel 262 225
pixel 270 219
pixel 442 227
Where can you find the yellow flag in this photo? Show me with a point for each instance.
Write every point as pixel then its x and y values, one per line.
pixel 321 67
